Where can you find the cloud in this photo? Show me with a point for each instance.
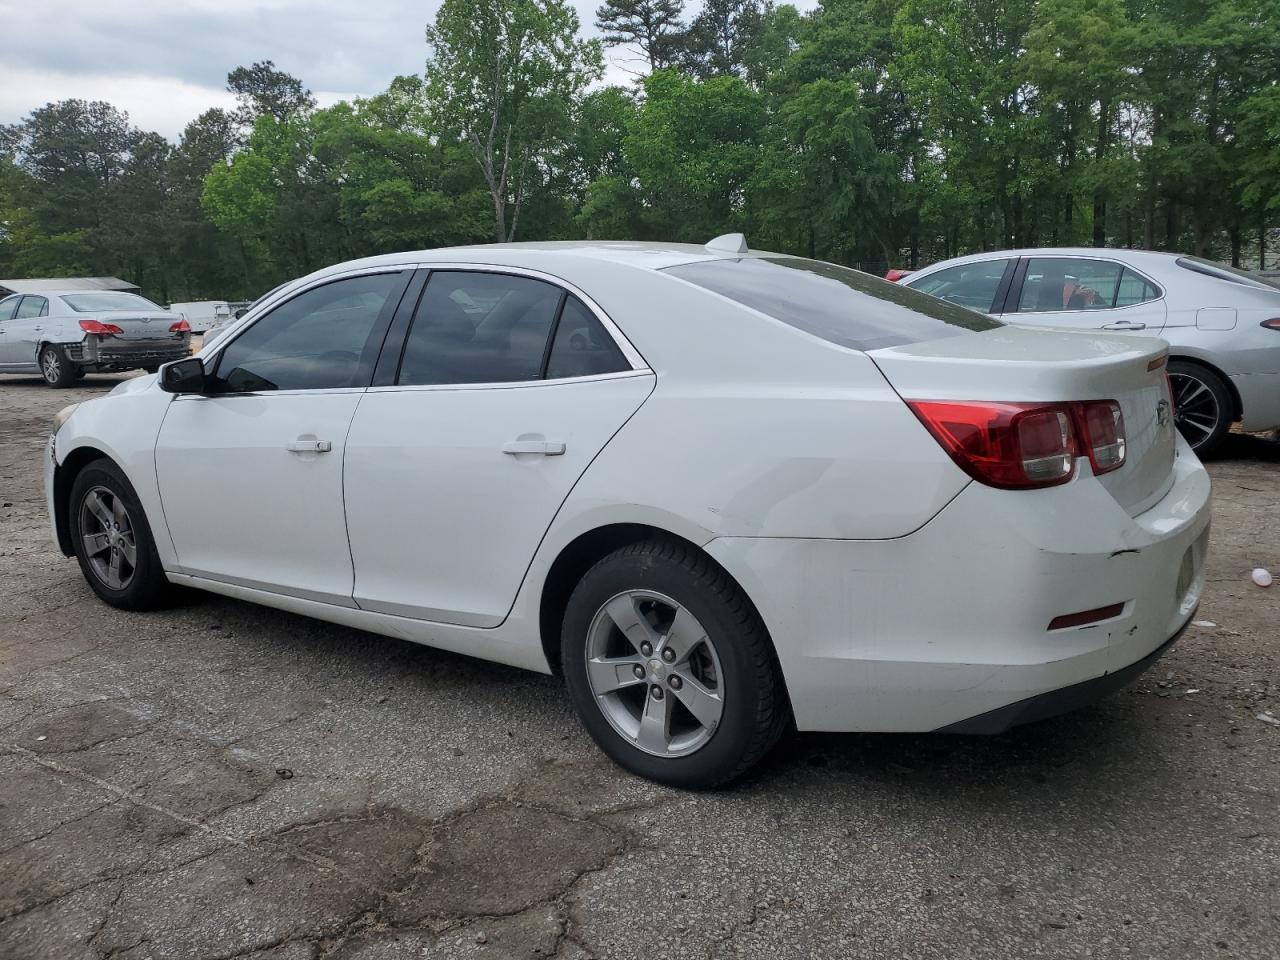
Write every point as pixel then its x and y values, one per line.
pixel 166 62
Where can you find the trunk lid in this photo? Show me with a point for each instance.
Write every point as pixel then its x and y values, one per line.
pixel 140 326
pixel 1017 364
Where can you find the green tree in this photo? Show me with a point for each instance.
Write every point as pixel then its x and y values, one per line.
pixel 653 27
pixel 694 146
pixel 504 74
pixel 262 90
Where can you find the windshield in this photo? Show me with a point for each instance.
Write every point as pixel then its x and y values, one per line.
pixel 107 302
pixel 840 305
pixel 1230 274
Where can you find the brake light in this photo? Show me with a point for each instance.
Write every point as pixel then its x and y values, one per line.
pixel 1102 430
pixel 97 326
pixel 180 326
pixel 1023 446
pixel 1272 324
pixel 1012 446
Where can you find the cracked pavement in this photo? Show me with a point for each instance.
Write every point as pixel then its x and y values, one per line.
pixel 221 780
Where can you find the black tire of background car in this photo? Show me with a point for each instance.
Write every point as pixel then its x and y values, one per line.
pixel 756 709
pixel 66 369
pixel 149 589
pixel 81 373
pixel 1222 396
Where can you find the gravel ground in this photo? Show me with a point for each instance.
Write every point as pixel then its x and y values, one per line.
pixel 223 780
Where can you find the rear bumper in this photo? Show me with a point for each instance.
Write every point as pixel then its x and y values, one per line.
pixel 1064 700
pixel 121 355
pixel 930 630
pixel 1259 399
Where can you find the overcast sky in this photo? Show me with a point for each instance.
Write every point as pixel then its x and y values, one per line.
pixel 166 61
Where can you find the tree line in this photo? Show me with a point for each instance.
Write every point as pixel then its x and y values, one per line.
pixel 873 133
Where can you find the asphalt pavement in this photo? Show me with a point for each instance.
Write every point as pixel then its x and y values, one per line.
pixel 222 780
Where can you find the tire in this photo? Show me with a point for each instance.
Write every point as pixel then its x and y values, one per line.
pixel 1204 409
pixel 57 370
pixel 722 663
pixel 81 373
pixel 151 368
pixel 138 585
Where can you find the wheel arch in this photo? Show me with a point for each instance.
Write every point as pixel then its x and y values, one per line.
pixel 582 553
pixel 1237 412
pixel 64 476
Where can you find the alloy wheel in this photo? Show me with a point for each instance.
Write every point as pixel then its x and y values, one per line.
pixel 1197 411
pixel 655 673
pixel 51 366
pixel 106 530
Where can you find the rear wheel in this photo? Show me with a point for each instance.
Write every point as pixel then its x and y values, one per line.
pixel 1204 410
pixel 112 539
pixel 56 369
pixel 669 666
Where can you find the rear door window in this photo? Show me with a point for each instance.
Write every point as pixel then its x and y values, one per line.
pixel 840 305
pixel 1069 283
pixel 32 307
pixel 479 327
pixel 971 285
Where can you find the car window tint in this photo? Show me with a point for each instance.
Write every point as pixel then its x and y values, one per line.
pixel 479 328
pixel 8 307
pixel 1134 289
pixel 582 347
pixel 1069 283
pixel 32 307
pixel 323 338
pixel 971 285
pixel 839 305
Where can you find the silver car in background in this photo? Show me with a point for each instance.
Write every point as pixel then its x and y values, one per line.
pixel 64 334
pixel 1222 324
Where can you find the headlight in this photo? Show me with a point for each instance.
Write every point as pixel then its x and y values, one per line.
pixel 62 415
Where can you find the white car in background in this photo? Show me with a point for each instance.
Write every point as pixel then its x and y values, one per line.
pixel 716 489
pixel 64 334
pixel 201 315
pixel 1222 324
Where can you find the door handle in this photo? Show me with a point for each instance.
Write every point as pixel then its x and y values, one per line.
pixel 310 446
pixel 1124 325
pixel 546 448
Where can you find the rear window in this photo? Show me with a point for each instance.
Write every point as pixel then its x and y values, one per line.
pixel 839 305
pixel 1221 271
pixel 106 302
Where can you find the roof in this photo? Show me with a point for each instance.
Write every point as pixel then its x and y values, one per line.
pixel 67 285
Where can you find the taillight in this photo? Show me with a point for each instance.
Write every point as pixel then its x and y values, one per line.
pixel 97 326
pixel 1013 446
pixel 1022 446
pixel 1272 324
pixel 1102 432
pixel 180 326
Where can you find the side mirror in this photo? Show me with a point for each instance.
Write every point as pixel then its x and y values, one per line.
pixel 183 376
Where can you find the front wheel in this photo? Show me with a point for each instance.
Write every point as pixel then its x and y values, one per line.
pixel 1202 404
pixel 56 369
pixel 112 539
pixel 669 666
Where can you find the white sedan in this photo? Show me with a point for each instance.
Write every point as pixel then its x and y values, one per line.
pixel 718 490
pixel 64 334
pixel 1222 324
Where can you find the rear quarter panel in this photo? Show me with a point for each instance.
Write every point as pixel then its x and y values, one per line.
pixel 755 428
